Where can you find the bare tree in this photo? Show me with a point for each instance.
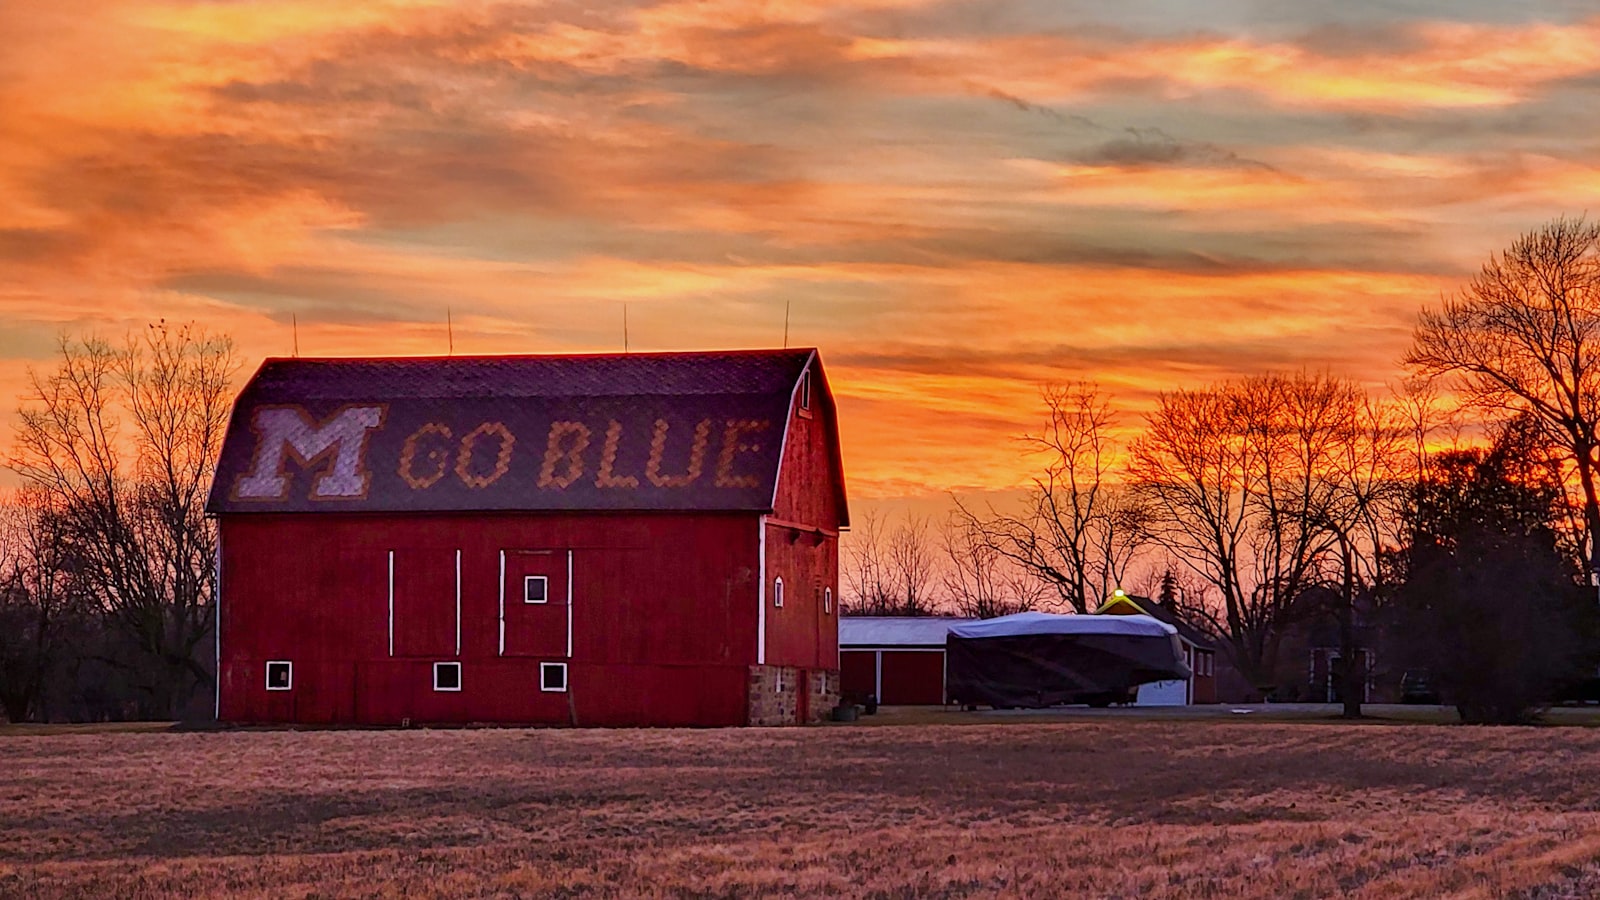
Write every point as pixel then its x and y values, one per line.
pixel 863 556
pixel 1371 470
pixel 890 572
pixel 1176 588
pixel 17 689
pixel 979 581
pixel 1078 532
pixel 123 441
pixel 912 557
pixel 1247 483
pixel 1524 335
pixel 39 603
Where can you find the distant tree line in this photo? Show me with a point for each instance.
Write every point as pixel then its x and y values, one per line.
pixel 1247 506
pixel 107 560
pixel 1257 504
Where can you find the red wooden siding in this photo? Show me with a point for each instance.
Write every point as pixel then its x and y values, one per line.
pixel 801 633
pixel 807 490
pixel 803 544
pixel 1205 687
pixel 858 674
pixel 913 677
pixel 908 677
pixel 425 603
pixel 664 617
pixel 536 629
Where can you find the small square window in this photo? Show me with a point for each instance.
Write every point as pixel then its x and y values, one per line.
pixel 553 677
pixel 536 589
pixel 280 675
pixel 777 592
pixel 447 676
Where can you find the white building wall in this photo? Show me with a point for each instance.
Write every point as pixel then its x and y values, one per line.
pixel 1163 693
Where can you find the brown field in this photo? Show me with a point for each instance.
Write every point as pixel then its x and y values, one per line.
pixel 1089 808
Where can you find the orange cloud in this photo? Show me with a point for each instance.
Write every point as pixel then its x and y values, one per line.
pixel 954 207
pixel 1444 66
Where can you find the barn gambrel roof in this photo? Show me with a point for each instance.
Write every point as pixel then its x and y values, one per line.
pixel 641 431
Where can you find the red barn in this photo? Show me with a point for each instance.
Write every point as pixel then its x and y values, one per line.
pixel 640 539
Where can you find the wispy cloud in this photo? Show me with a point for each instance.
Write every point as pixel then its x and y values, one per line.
pixel 955 203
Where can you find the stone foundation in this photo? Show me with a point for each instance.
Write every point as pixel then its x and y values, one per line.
pixel 824 685
pixel 775 694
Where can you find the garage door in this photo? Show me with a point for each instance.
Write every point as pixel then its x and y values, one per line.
pixel 913 677
pixel 858 674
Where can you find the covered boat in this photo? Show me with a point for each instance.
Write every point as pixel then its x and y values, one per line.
pixel 1037 659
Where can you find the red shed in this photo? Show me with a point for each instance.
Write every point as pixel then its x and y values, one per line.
pixel 898 659
pixel 630 539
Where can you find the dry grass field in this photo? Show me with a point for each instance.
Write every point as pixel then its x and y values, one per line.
pixel 1113 809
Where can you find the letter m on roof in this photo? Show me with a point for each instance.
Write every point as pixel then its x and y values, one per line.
pixel 337 444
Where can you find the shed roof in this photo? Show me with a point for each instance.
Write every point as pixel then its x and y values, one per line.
pixel 895 631
pixel 1027 623
pixel 641 431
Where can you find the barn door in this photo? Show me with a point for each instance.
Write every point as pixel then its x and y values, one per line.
pixel 424 602
pixel 536 609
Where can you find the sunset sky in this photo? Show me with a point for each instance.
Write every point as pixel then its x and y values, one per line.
pixel 958 200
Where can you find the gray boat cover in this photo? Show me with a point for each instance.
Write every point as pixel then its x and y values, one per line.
pixel 1038 659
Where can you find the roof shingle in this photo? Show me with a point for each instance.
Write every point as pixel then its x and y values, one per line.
pixel 669 431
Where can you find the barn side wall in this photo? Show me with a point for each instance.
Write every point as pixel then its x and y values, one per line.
pixel 802 545
pixel 804 631
pixel 806 490
pixel 663 617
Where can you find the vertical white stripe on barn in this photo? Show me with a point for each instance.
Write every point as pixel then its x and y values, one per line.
pixel 761 594
pixel 216 603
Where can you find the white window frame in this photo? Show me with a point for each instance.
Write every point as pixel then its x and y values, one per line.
pixel 528 579
pixel 805 390
pixel 827 600
pixel 777 592
pixel 280 662
pixel 459 680
pixel 565 674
